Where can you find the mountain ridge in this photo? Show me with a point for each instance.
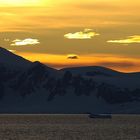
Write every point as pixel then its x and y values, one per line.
pixel 35 88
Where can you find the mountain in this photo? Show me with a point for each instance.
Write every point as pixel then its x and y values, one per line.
pixel 31 87
pixel 11 61
pixel 92 70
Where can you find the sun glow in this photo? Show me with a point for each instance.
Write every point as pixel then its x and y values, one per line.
pixel 10 3
pixel 58 61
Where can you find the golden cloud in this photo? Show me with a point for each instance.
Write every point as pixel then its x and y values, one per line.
pixel 27 41
pixel 86 34
pixel 129 40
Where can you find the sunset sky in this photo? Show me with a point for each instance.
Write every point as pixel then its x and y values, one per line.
pixel 67 33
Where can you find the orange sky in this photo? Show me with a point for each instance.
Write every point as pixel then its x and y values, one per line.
pixel 116 62
pixel 99 32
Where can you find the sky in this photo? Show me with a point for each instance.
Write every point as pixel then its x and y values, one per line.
pixel 69 33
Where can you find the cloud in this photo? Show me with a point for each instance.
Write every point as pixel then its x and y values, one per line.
pixel 27 41
pixel 87 30
pixel 72 56
pixel 129 40
pixel 86 34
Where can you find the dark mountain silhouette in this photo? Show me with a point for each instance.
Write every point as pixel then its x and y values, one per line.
pixel 31 87
pixel 12 61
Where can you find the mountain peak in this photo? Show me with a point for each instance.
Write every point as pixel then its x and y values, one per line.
pixel 11 60
pixel 3 50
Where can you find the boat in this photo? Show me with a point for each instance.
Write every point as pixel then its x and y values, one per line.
pixel 100 116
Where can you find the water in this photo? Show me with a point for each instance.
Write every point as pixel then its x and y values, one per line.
pixel 69 127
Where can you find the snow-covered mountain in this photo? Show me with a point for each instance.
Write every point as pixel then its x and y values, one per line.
pixel 31 87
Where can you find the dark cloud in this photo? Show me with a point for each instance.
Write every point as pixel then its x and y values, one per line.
pixel 72 57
